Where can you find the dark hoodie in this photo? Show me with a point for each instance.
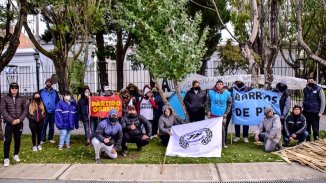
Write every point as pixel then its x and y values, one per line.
pixel 13 107
pixel 166 122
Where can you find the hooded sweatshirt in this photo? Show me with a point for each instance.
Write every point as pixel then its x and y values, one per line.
pixel 106 129
pixel 166 122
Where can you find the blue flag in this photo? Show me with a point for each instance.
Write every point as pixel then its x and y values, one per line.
pixel 176 104
pixel 248 108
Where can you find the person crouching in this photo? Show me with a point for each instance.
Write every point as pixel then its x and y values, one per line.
pixel 108 136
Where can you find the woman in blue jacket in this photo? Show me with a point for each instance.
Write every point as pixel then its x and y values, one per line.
pixel 66 119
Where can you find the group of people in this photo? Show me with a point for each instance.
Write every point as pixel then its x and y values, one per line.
pixel 295 125
pixel 144 116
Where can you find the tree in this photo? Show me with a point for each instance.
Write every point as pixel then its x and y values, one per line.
pixel 169 43
pixel 67 26
pixel 240 18
pixel 9 39
pixel 209 19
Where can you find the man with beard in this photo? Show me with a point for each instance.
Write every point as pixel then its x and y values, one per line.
pixel 50 99
pixel 194 101
pixel 132 130
pixel 313 106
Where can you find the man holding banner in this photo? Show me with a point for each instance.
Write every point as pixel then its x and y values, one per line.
pixel 219 103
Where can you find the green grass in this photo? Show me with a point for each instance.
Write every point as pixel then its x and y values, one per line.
pixel 151 154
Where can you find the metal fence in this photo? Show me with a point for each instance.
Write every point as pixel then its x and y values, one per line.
pixel 26 77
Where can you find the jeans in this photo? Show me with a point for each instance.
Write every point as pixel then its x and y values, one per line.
pixel 90 131
pixel 245 129
pixel 64 137
pixel 300 137
pixel 133 139
pixel 165 139
pixel 49 120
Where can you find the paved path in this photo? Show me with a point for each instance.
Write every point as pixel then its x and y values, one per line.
pixel 224 172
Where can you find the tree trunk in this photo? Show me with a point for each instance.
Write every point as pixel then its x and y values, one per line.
pixel 102 65
pixel 120 57
pixel 62 72
pixel 177 90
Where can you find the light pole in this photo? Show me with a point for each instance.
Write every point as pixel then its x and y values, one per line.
pixel 36 58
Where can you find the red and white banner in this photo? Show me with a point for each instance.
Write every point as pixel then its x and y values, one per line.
pixel 101 105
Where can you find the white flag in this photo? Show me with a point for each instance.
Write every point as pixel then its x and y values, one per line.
pixel 198 139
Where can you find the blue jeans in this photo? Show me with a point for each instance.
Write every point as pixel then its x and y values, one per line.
pixel 300 137
pixel 93 123
pixel 49 119
pixel 64 137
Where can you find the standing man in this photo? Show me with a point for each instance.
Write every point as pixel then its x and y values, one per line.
pixel 50 98
pixel 240 87
pixel 219 103
pixel 313 106
pixel 194 101
pixel 13 109
pixel 285 101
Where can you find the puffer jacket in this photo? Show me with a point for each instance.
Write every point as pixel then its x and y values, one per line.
pixel 50 98
pixel 13 108
pixel 166 122
pixel 139 121
pixel 65 115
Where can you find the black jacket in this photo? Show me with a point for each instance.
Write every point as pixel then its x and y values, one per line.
pixel 195 102
pixel 139 121
pixel 295 124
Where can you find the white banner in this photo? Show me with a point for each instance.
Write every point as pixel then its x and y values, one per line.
pixel 198 139
pixel 209 82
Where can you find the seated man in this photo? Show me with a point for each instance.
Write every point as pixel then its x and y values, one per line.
pixel 132 129
pixel 295 126
pixel 269 131
pixel 108 136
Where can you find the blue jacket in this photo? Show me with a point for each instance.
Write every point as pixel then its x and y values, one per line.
pixel 65 115
pixel 105 129
pixel 50 99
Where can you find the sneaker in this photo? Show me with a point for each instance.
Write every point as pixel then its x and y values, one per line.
pixel 236 139
pixel 225 146
pixel 245 140
pixel 6 162
pixel 124 153
pixel 34 148
pixel 52 141
pixel 60 148
pixel 97 161
pixel 39 147
pixel 16 158
pixel 42 142
pixel 68 146
pixel 139 148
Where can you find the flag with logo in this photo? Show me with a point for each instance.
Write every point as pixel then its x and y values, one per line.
pixel 198 139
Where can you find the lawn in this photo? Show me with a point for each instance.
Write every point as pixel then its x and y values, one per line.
pixel 151 154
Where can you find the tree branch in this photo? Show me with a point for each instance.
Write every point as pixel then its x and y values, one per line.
pixel 302 43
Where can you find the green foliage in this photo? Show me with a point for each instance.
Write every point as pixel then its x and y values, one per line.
pixel 210 19
pixel 76 76
pixel 240 18
pixel 169 44
pixel 232 59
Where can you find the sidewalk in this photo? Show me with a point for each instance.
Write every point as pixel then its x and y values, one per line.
pixel 223 172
